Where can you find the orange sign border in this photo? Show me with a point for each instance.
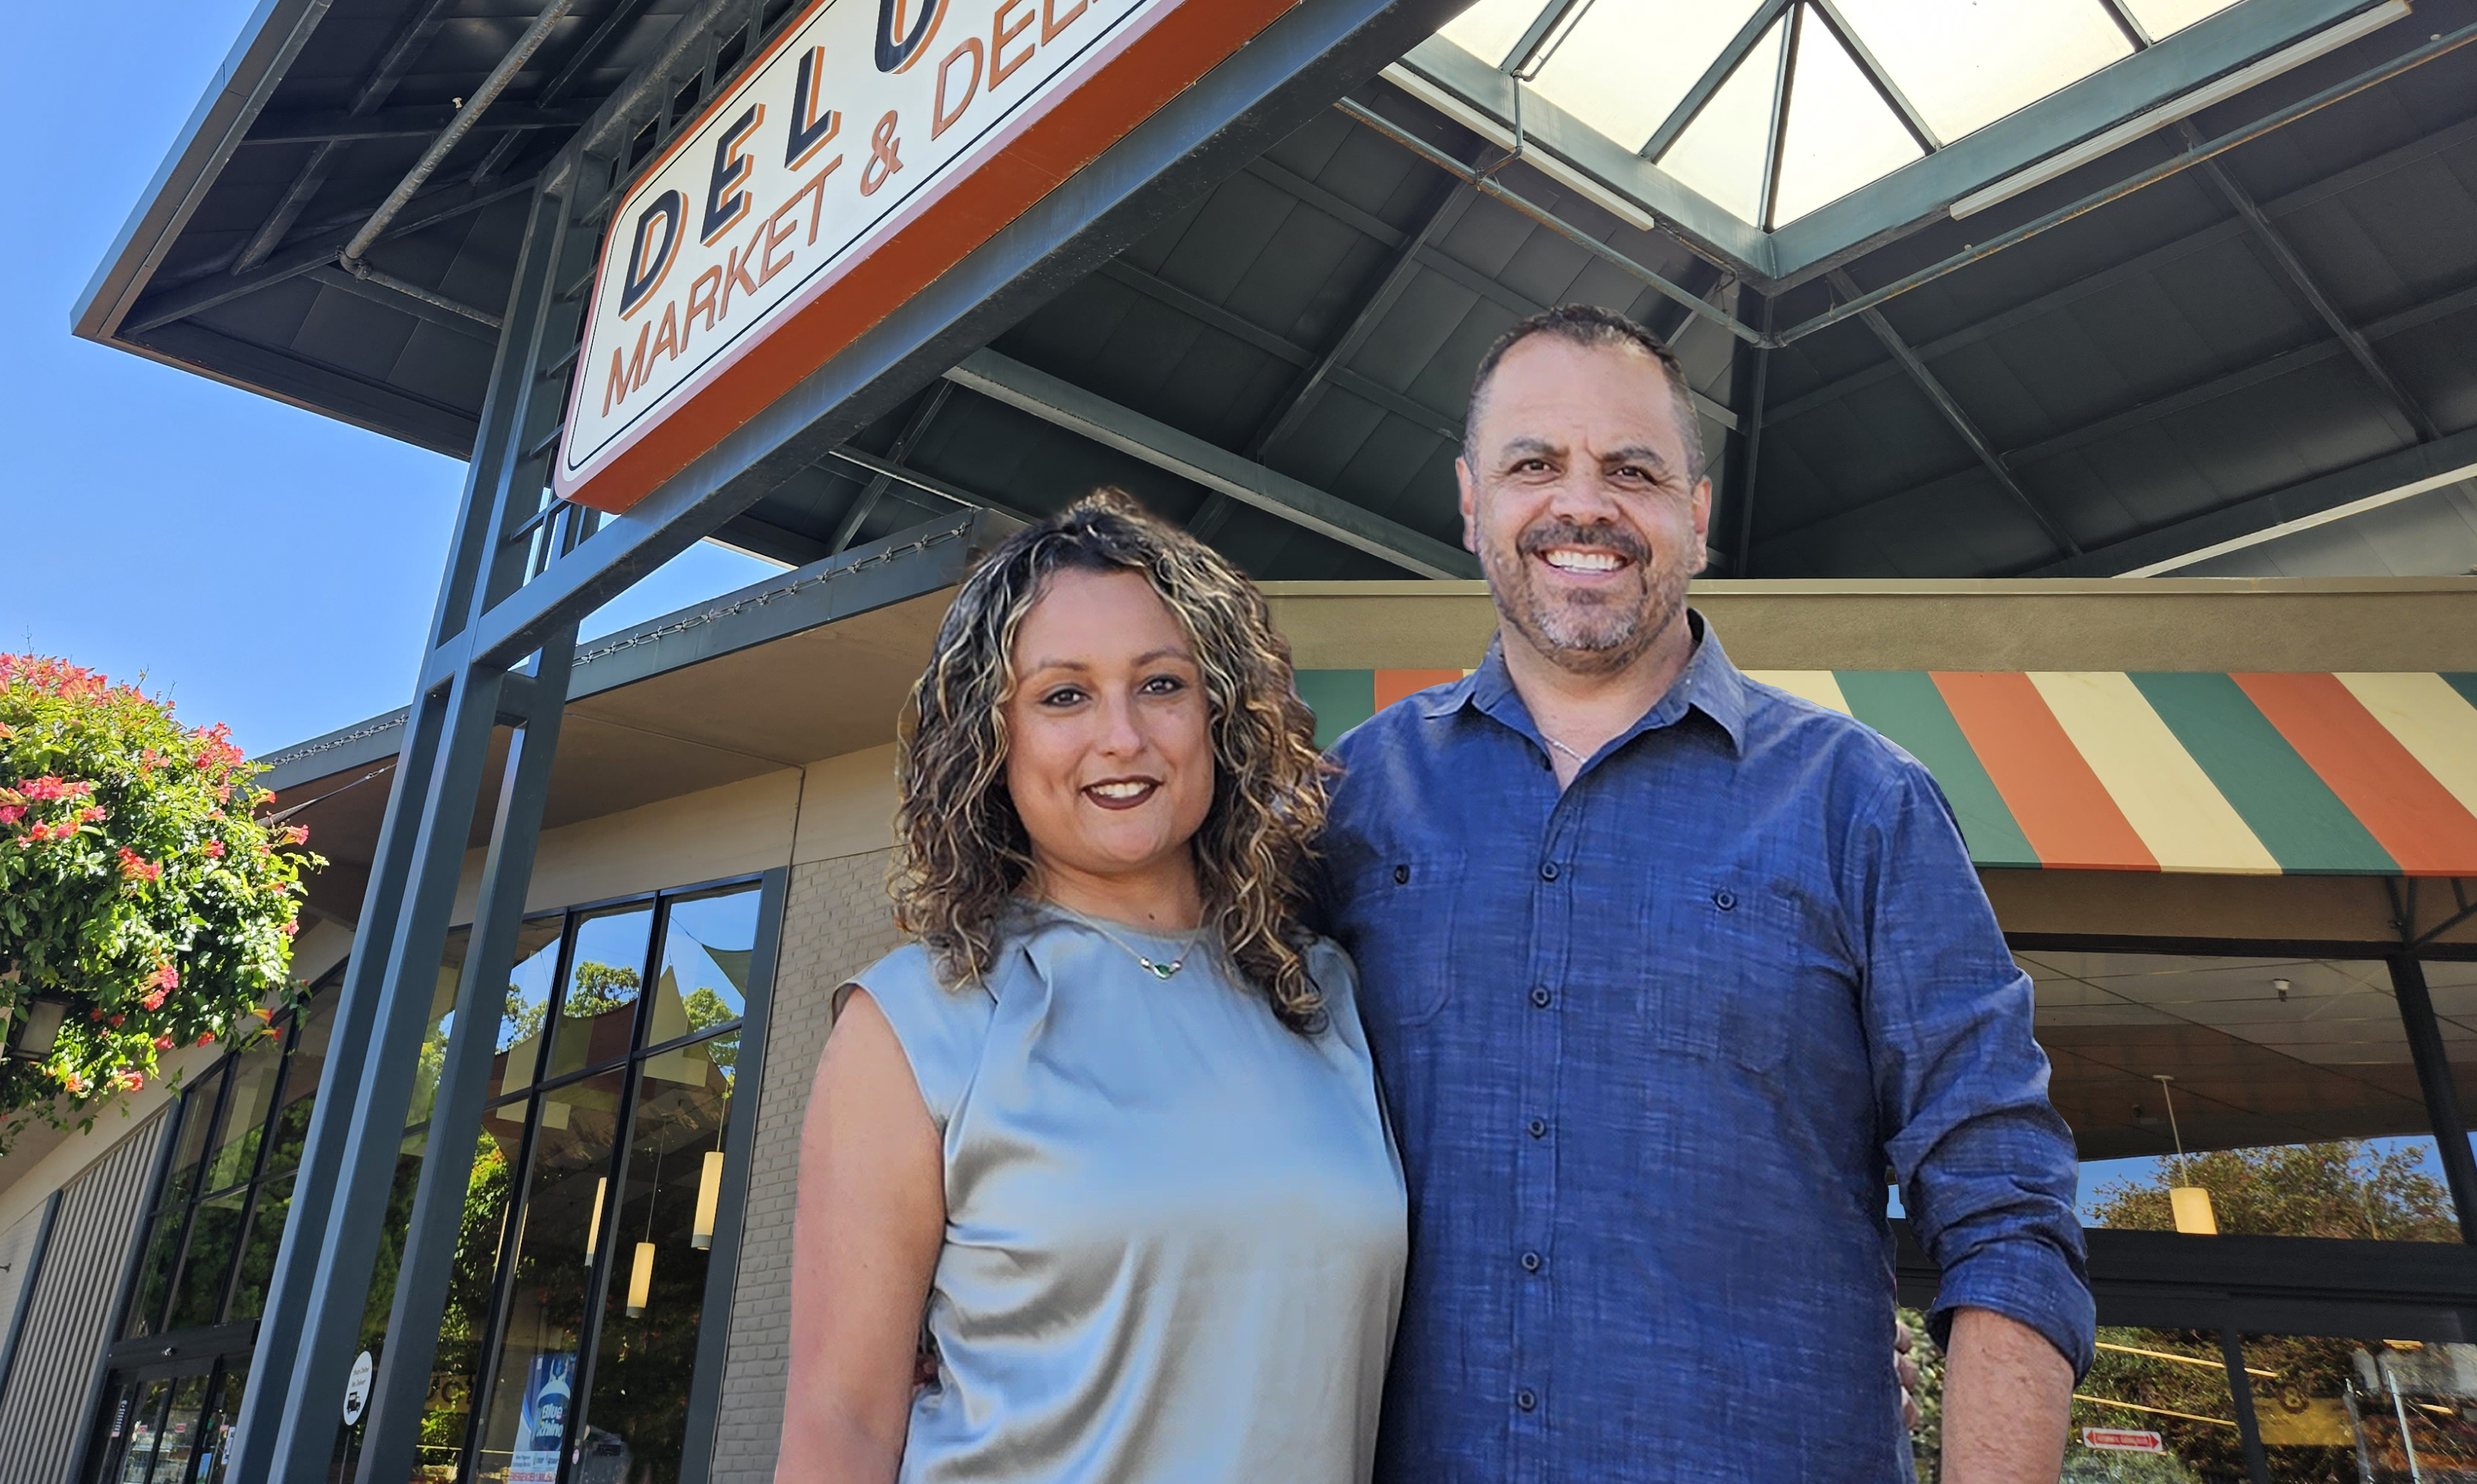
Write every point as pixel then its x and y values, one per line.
pixel 1125 87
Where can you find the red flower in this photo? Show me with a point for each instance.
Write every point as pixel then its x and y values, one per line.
pixel 153 1001
pixel 166 976
pixel 208 1039
pixel 214 850
pixel 116 1020
pixel 91 813
pixel 73 1082
pixel 10 813
pixel 132 1081
pixel 135 867
pixel 163 1043
pixel 295 834
pixel 291 929
pixel 49 787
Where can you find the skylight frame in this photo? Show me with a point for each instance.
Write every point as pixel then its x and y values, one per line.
pixel 1778 254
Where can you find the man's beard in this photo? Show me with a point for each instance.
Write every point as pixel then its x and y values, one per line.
pixel 1589 633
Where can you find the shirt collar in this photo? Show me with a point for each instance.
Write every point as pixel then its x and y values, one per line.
pixel 1712 684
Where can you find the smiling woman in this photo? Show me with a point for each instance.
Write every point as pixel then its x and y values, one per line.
pixel 1109 786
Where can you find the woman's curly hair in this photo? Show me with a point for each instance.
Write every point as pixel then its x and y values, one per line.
pixel 961 851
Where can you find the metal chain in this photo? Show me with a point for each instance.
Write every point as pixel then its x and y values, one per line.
pixel 770 595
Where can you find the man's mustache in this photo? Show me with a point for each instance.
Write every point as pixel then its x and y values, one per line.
pixel 1537 538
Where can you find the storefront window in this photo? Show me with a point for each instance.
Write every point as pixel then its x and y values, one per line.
pixel 589 1219
pixel 2343 1410
pixel 2452 985
pixel 2162 1389
pixel 2289 1105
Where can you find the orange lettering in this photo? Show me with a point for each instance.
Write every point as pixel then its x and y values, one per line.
pixel 1051 25
pixel 1000 34
pixel 666 340
pixel 818 194
pixel 626 375
pixel 736 276
pixel 701 299
pixel 945 120
pixel 776 230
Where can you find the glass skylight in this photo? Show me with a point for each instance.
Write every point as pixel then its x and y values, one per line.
pixel 1873 86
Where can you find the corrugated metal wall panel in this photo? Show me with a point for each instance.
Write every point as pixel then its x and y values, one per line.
pixel 42 1409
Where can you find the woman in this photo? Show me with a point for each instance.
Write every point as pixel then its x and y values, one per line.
pixel 1110 1122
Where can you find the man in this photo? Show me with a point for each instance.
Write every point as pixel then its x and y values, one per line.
pixel 1663 968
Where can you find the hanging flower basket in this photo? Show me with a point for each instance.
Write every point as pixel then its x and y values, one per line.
pixel 143 880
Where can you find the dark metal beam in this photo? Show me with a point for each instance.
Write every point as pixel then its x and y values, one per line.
pixel 2435 1079
pixel 865 502
pixel 1067 405
pixel 1953 414
pixel 2412 470
pixel 1530 49
pixel 411 123
pixel 1756 362
pixel 2134 34
pixel 1708 85
pixel 426 304
pixel 1301 397
pixel 2310 291
pixel 392 63
pixel 1776 136
pixel 1879 76
pixel 444 204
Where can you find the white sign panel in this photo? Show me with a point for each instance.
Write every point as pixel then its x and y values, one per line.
pixel 835 152
pixel 357 1387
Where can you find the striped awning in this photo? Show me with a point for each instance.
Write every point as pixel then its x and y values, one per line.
pixel 2326 774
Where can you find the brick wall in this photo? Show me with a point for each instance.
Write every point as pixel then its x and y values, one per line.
pixel 834 921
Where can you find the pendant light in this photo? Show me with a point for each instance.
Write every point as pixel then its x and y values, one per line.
pixel 2191 1204
pixel 594 1229
pixel 640 1273
pixel 709 1201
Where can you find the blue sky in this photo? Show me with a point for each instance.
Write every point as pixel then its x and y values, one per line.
pixel 263 565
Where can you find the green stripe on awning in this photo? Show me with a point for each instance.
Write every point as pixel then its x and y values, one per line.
pixel 2465 684
pixel 2278 795
pixel 1905 705
pixel 1341 699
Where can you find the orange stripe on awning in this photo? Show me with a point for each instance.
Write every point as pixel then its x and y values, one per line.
pixel 1392 685
pixel 2427 831
pixel 2070 819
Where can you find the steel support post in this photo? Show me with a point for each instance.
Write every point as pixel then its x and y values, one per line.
pixel 372 1107
pixel 1751 382
pixel 400 1392
pixel 2434 1078
pixel 287 1423
pixel 2241 1394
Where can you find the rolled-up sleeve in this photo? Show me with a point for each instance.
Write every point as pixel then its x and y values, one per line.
pixel 1986 1166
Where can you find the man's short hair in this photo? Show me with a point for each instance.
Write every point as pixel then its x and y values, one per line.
pixel 1590 325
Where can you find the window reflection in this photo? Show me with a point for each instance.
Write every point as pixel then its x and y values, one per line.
pixel 605 976
pixel 2172 1383
pixel 2348 1409
pixel 528 1005
pixel 2292 1094
pixel 646 1358
pixel 708 944
pixel 566 1218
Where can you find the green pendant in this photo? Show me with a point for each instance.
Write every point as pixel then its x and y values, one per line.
pixel 1163 971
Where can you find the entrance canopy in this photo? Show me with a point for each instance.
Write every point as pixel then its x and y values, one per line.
pixel 2057 286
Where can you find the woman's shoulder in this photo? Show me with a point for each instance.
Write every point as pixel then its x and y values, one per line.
pixel 1335 975
pixel 940 1029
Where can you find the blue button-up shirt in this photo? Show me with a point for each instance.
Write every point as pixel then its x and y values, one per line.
pixel 1650 1044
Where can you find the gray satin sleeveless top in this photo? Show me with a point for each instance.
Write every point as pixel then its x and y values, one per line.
pixel 1175 1229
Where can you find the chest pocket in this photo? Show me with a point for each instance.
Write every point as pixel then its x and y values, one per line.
pixel 1400 921
pixel 1730 966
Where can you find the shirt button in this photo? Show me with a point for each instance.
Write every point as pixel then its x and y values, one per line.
pixel 1539 996
pixel 1526 1399
pixel 1531 1262
pixel 1538 1127
pixel 1401 876
pixel 1547 871
pixel 1725 900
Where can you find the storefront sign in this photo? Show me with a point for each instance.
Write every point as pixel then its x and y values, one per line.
pixel 873 145
pixel 2122 1439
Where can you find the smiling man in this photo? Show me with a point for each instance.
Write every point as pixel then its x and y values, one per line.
pixel 1663 968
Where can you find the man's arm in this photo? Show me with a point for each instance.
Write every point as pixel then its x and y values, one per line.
pixel 2007 1395
pixel 1988 1171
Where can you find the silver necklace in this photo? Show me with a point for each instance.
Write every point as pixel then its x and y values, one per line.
pixel 1562 747
pixel 1152 965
